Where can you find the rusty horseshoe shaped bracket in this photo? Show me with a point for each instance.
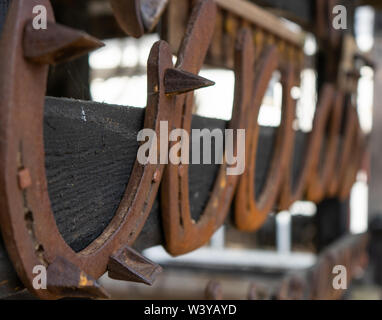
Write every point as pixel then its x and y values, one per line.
pixel 250 211
pixel 27 222
pixel 292 192
pixel 322 174
pixel 182 233
pixel 344 154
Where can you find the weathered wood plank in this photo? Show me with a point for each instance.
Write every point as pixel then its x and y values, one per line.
pixel 90 151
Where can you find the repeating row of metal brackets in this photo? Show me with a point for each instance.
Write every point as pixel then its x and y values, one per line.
pixel 27 221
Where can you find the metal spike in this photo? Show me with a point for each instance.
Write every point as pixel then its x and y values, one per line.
pixel 178 81
pixel 67 280
pixel 56 44
pixel 128 265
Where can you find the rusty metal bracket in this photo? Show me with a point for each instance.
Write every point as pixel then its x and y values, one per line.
pixel 182 233
pixel 359 148
pixel 251 211
pixel 292 192
pixel 27 223
pixel 323 166
pixel 344 153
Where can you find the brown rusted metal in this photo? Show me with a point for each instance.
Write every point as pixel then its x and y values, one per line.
pixel 291 191
pixel 350 252
pixel 128 265
pixel 231 27
pixel 344 152
pixel 27 223
pixel 128 15
pixel 358 150
pixel 324 163
pixel 136 17
pixel 67 280
pixel 180 81
pixel 251 211
pixel 56 44
pixel 182 233
pixel 231 17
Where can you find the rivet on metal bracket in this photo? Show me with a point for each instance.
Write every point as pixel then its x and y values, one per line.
pixel 129 265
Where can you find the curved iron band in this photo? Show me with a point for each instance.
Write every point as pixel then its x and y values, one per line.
pixel 344 153
pixel 357 153
pixel 290 194
pixel 250 213
pixel 182 233
pixel 322 173
pixel 27 222
pixel 136 17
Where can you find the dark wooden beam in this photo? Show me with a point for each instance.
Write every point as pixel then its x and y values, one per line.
pixel 90 151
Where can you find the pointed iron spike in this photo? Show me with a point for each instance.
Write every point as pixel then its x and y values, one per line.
pixel 56 44
pixel 128 265
pixel 178 81
pixel 67 280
